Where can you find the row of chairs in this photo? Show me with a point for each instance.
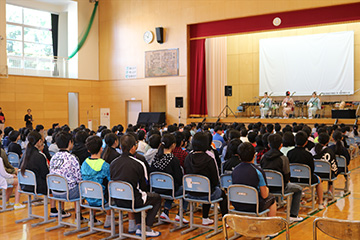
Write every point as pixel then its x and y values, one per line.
pixel 260 227
pixel 124 191
pixel 88 189
pixel 300 174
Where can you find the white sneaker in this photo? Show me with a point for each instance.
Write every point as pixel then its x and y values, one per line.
pixel 322 206
pixel 150 233
pixel 9 204
pixel 273 235
pixel 296 219
pixel 82 220
pixel 177 218
pixel 164 216
pixel 96 223
pixel 19 206
pixel 207 221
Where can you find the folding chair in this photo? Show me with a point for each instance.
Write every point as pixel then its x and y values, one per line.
pixel 29 179
pixel 239 193
pixel 301 174
pixel 275 183
pixel 58 183
pixel 338 229
pixel 353 147
pixel 255 227
pixel 217 143
pixel 124 191
pixel 323 169
pixel 3 197
pixel 198 183
pixel 164 181
pixel 222 167
pixel 225 181
pixel 14 159
pixel 342 164
pixel 90 189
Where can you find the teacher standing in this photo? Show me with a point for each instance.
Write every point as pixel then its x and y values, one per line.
pixel 28 120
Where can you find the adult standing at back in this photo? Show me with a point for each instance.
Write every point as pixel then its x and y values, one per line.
pixel 2 120
pixel 28 118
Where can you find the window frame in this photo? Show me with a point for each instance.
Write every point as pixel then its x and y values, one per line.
pixel 23 57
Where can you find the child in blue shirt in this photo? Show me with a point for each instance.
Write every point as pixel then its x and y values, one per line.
pixel 97 170
pixel 249 174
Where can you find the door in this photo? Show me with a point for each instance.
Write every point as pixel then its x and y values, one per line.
pixel 133 108
pixel 105 117
pixel 157 98
pixel 73 101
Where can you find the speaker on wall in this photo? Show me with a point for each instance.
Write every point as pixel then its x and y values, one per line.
pixel 159 34
pixel 179 102
pixel 228 91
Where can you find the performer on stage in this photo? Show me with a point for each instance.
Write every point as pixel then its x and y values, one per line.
pixel 313 104
pixel 288 105
pixel 265 106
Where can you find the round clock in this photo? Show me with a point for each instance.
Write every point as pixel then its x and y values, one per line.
pixel 148 37
pixel 277 21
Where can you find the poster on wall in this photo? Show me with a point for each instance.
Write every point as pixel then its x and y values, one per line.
pixel 105 117
pixel 162 63
pixel 130 72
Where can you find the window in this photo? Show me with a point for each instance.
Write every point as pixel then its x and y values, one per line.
pixel 29 39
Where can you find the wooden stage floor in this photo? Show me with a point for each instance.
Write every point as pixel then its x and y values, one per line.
pixel 247 120
pixel 347 207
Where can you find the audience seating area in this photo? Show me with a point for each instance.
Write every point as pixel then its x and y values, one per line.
pixel 339 219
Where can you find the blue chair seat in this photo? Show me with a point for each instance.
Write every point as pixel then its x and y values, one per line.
pixel 133 210
pixel 187 198
pixel 124 191
pixel 59 184
pixel 94 190
pixel 250 213
pixel 160 181
pixel 200 184
pixel 64 199
pixel 29 179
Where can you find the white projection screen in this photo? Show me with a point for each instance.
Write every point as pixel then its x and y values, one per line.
pixel 303 64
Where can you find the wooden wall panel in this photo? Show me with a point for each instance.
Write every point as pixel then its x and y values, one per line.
pixel 48 99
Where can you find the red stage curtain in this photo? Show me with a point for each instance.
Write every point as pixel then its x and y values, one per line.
pixel 198 104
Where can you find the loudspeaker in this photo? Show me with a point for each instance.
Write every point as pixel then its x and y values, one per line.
pixel 179 102
pixel 228 91
pixel 159 34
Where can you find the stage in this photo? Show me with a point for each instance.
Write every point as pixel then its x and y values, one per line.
pixel 247 120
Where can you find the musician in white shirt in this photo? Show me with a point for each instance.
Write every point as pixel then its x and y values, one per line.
pixel 265 106
pixel 313 104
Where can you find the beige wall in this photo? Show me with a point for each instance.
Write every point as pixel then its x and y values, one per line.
pixel 121 28
pixel 123 23
pixel 48 99
pixel 88 56
pixel 243 61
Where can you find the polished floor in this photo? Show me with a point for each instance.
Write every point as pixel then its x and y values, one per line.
pixel 347 207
